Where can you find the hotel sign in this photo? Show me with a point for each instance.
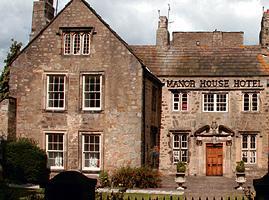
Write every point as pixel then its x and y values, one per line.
pixel 214 83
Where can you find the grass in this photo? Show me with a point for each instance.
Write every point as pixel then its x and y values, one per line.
pixel 140 196
pixel 8 193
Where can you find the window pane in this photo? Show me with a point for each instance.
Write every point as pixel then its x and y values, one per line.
pixel 245 156
pixel 176 141
pixel 246 102
pixel 91 153
pixel 176 101
pixel 254 102
pixel 221 102
pixel 76 43
pixel 180 148
pixel 244 141
pixel 86 43
pixel 249 148
pixel 208 102
pixel 176 156
pixel 184 155
pixel 253 142
pixel 55 91
pixel 184 101
pixel 252 158
pixel 55 149
pixel 92 91
pixel 67 43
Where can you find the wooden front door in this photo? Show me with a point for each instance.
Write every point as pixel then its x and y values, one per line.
pixel 214 160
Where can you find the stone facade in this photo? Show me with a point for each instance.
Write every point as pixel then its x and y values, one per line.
pixel 123 124
pixel 216 68
pixel 201 98
pixel 235 119
pixel 8 118
pixel 207 39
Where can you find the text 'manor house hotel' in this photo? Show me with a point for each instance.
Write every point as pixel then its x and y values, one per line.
pixel 94 102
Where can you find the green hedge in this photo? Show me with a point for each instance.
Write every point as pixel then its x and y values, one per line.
pixel 142 177
pixel 25 162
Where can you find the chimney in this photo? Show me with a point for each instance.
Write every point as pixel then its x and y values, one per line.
pixel 217 38
pixel 264 34
pixel 162 36
pixel 43 13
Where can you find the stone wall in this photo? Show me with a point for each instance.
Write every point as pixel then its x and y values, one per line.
pixel 4 117
pixel 8 118
pixel 152 120
pixel 235 119
pixel 120 120
pixel 208 39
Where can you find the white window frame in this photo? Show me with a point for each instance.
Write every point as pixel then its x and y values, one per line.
pixel 83 44
pixel 83 134
pixel 80 43
pixel 249 150
pixel 177 151
pixel 70 43
pixel 47 133
pixel 250 103
pixel 215 102
pixel 81 35
pixel 83 92
pixel 179 102
pixel 47 91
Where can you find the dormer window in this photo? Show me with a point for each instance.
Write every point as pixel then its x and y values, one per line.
pixel 76 41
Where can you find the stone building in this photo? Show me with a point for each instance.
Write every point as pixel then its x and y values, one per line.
pixel 82 93
pixel 94 102
pixel 214 102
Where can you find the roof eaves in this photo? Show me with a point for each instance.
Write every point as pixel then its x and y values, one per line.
pixel 113 32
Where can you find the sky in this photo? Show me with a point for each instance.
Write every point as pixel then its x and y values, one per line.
pixel 136 20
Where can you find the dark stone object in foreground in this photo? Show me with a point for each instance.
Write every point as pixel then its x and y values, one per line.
pixel 70 185
pixel 261 187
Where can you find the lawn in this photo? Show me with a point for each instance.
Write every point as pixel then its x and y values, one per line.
pixel 7 193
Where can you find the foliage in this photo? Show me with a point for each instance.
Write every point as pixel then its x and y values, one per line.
pixel 240 167
pixel 25 162
pixel 5 192
pixel 146 178
pixel 34 197
pixel 4 78
pixel 104 179
pixel 135 177
pixel 181 167
pixel 110 196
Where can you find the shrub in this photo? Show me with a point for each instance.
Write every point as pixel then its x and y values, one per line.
pixel 135 177
pixel 146 178
pixel 24 162
pixel 104 179
pixel 123 177
pixel 240 167
pixel 181 167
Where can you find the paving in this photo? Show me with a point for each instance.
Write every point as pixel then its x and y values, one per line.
pixel 203 187
pixel 208 186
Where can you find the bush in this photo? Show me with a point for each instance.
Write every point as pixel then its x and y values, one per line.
pixel 135 177
pixel 240 167
pixel 104 179
pixel 181 167
pixel 146 178
pixel 24 162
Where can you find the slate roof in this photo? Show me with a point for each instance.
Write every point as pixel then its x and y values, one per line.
pixel 205 61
